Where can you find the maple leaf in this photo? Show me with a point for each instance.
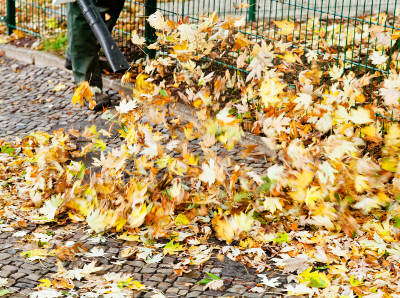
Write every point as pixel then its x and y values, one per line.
pixel 137 40
pixel 272 204
pixel 95 252
pixel 243 222
pixel 51 206
pixel 300 289
pixel 209 173
pixel 298 263
pixel 336 72
pixel 44 283
pixel 378 58
pixel 126 106
pixel 83 92
pixel 97 221
pixel 46 293
pixel 270 90
pixel 87 269
pixel 137 216
pixel 324 124
pixel 391 90
pixel 157 21
pixel 214 285
pixel 286 26
pixel 368 203
pixel 303 101
pixel 314 278
pixel 200 254
pixel 325 173
pixel 269 282
pixel 172 248
pixel 187 32
pixel 223 229
pixel 360 116
pixel 35 254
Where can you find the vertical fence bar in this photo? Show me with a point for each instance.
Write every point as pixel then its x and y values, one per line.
pixel 11 22
pixel 252 10
pixel 149 32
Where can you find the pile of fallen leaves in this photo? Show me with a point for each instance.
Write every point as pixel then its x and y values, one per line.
pixel 326 210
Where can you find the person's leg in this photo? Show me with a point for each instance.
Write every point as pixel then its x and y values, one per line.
pixel 82 48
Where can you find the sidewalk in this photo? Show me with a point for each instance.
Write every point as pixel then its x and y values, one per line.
pixel 34 98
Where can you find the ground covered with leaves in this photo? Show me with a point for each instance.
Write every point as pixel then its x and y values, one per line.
pixel 326 211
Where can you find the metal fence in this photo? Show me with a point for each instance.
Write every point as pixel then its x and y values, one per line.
pixel 344 27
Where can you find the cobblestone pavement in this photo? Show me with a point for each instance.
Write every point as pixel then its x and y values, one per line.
pixel 29 101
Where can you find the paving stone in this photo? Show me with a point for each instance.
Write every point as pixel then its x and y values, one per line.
pixel 4 256
pixel 9 268
pixel 24 285
pixel 193 294
pixel 237 289
pixel 182 292
pixel 185 279
pixel 148 270
pixel 34 277
pixel 163 286
pixel 165 271
pixel 172 290
pixel 18 275
pixel 197 288
pixel 157 277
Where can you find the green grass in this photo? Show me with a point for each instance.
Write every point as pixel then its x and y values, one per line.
pixel 55 44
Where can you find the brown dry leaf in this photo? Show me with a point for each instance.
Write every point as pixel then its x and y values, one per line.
pixel 348 224
pixel 62 283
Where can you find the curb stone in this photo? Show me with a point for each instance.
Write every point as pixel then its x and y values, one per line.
pixel 187 113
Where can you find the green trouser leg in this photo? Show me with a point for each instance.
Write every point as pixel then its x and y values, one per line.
pixel 83 47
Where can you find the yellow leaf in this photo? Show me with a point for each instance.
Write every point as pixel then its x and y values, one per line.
pixel 389 164
pixel 191 159
pixel 45 283
pixel 299 195
pixel 189 132
pixel 135 285
pixel 223 229
pixel 313 195
pixel 269 91
pixel 289 57
pixel 360 116
pixel 361 183
pixel 136 218
pixel 304 179
pixel 286 26
pixel 82 92
pixel 119 223
pixel 240 42
pixel 172 248
pixel 129 237
pixel 181 219
pixel 142 85
pixel 244 222
pixel 368 131
pixel 314 279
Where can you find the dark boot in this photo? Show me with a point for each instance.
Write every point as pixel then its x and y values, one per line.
pixel 68 63
pixel 103 100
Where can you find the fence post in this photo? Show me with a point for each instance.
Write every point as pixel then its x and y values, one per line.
pixel 11 24
pixel 252 10
pixel 150 32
